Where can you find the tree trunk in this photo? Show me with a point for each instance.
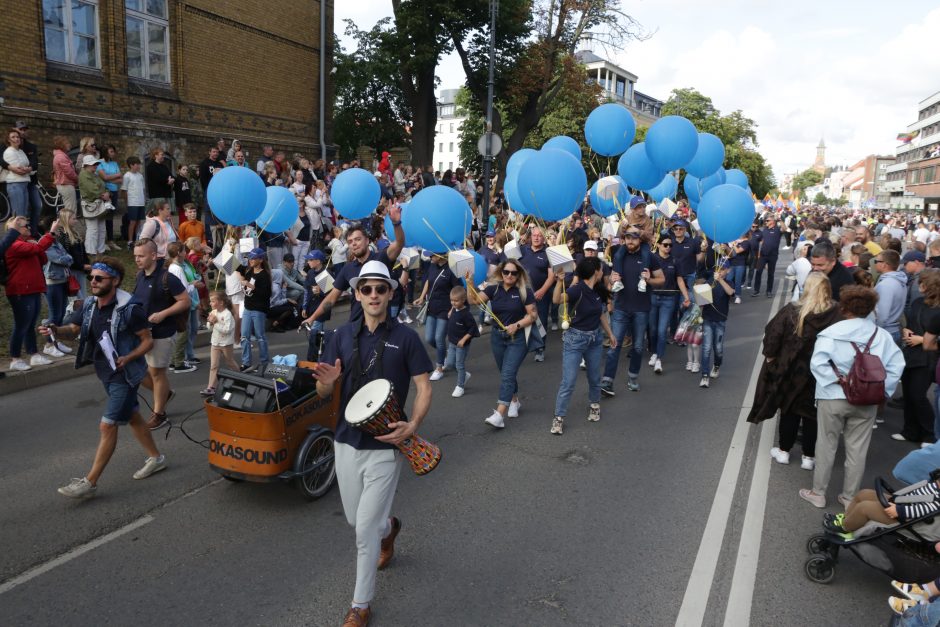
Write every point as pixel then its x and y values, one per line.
pixel 424 120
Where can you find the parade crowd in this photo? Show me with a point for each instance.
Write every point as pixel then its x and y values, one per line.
pixel 644 282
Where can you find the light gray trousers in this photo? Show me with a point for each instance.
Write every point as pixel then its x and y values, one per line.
pixel 834 418
pixel 367 481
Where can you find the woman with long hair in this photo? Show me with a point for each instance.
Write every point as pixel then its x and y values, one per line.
pixel 73 242
pixel 665 301
pixel 437 286
pixel 158 226
pixel 63 172
pixel 256 280
pixel 583 340
pixel 86 146
pixel 513 308
pixel 785 381
pixel 16 175
pixel 919 365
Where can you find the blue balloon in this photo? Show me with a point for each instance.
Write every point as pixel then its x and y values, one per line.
pixel 667 188
pixel 480 269
pixel 355 193
pixel 716 179
pixel 236 196
pixel 552 184
pixel 709 156
pixel 511 192
pixel 671 142
pixel 563 142
pixel 607 206
pixel 693 188
pixel 438 219
pixel 736 177
pixel 725 212
pixel 517 159
pixel 637 170
pixel 280 212
pixel 610 129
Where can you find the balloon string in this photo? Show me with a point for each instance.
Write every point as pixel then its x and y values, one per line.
pixel 228 232
pixel 441 239
pixel 485 306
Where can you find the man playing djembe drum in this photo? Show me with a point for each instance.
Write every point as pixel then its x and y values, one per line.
pixel 375 346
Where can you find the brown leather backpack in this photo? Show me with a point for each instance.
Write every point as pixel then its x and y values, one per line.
pixel 865 382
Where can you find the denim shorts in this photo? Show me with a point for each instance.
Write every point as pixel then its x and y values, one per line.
pixel 122 403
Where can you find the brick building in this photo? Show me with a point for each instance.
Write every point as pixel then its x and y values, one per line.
pixel 179 74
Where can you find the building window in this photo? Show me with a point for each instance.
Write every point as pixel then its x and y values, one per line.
pixel 447 110
pixel 450 165
pixel 451 128
pixel 71 31
pixel 148 40
pixel 451 147
pixel 915 177
pixel 929 174
pixel 440 166
pixel 440 147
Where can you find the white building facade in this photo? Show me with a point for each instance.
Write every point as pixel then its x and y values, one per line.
pixel 447 133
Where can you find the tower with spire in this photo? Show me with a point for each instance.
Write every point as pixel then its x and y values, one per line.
pixel 820 164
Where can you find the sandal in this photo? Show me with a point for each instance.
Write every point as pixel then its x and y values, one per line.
pixel 156 420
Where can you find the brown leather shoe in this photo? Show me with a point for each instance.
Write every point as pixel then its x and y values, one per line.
pixel 388 544
pixel 357 617
pixel 156 420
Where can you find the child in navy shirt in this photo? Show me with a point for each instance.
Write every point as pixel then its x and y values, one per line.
pixel 461 328
pixel 714 317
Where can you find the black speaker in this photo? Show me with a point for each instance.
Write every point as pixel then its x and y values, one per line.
pixel 250 393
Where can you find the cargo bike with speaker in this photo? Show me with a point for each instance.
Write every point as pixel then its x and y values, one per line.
pixel 270 425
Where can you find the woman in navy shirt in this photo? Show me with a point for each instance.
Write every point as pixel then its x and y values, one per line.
pixel 437 286
pixel 665 301
pixel 584 338
pixel 513 307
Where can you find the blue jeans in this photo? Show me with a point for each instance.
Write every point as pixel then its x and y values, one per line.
pixel 509 351
pixel 737 278
pixel 435 334
pixel 253 324
pixel 918 464
pixel 19 199
pixel 543 308
pixel 660 315
pixel 921 616
pixel 35 207
pixel 457 358
pixel 56 296
pixel 620 322
pixel 25 314
pixel 713 342
pixel 577 345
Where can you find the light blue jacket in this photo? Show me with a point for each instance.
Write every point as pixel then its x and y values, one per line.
pixel 835 343
pixel 56 269
pixel 892 294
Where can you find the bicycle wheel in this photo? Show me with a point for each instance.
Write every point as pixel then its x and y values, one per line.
pixel 5 211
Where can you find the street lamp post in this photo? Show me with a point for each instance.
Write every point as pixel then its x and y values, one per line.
pixel 488 134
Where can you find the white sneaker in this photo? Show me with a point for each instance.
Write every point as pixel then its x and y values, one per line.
pixel 583 365
pixel 594 412
pixel 737 300
pixel 558 425
pixel 437 375
pixel 514 407
pixel 458 392
pixel 151 466
pixel 39 360
pixel 78 489
pixel 496 420
pixel 19 364
pixel 63 348
pixel 52 351
pixel 781 457
pixel 658 367
pixel 786 248
pixel 408 319
pixel 653 359
pixel 714 373
pixel 688 366
pixel 808 463
pixel 554 326
pixel 696 367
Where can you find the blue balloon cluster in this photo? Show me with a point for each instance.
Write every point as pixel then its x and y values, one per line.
pixel 636 169
pixel 708 157
pixel 563 142
pixel 437 219
pixel 736 177
pixel 480 269
pixel 671 142
pixel 236 196
pixel 551 184
pixel 355 193
pixel 725 212
pixel 390 228
pixel 280 211
pixel 609 129
pixel 609 206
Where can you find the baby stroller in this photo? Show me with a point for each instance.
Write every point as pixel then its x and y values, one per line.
pixel 902 551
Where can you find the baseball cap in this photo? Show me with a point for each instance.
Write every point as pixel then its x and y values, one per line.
pixel 590 245
pixel 681 223
pixel 315 254
pixel 374 270
pixel 21 124
pixel 90 160
pixel 636 201
pixel 256 253
pixel 491 234
pixel 913 255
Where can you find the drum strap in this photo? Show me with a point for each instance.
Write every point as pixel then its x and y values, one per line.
pixel 358 372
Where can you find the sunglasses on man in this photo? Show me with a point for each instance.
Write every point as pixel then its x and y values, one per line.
pixel 381 290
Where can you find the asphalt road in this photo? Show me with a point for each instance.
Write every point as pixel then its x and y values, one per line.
pixel 600 526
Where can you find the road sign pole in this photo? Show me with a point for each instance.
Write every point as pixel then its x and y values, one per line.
pixel 488 156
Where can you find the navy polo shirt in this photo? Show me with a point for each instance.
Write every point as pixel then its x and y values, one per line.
pixel 740 259
pixel 440 279
pixel 101 323
pixel 685 253
pixel 508 305
pixel 404 357
pixel 461 323
pixel 630 299
pixel 351 270
pixel 585 307
pixel 491 257
pixel 668 266
pixel 718 310
pixel 149 291
pixel 536 264
pixel 770 241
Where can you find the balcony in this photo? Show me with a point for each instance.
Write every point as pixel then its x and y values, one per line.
pixel 896 167
pixel 893 186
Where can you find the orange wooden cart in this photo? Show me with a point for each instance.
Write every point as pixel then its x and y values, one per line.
pixel 294 442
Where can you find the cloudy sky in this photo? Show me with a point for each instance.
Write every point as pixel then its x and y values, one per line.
pixel 803 69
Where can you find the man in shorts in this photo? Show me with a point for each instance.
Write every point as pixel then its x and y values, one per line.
pixel 163 297
pixel 114 335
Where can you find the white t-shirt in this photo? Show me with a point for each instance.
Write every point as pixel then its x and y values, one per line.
pixel 922 235
pixel 134 186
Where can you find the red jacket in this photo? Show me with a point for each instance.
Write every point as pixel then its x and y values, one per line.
pixel 24 265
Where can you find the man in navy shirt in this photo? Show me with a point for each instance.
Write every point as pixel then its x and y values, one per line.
pixel 535 261
pixel 767 255
pixel 357 238
pixel 374 346
pixel 637 269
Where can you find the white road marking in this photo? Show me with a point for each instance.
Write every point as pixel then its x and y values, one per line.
pixel 695 601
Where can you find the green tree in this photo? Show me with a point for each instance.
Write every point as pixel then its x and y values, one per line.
pixel 806 178
pixel 371 109
pixel 820 198
pixel 735 130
